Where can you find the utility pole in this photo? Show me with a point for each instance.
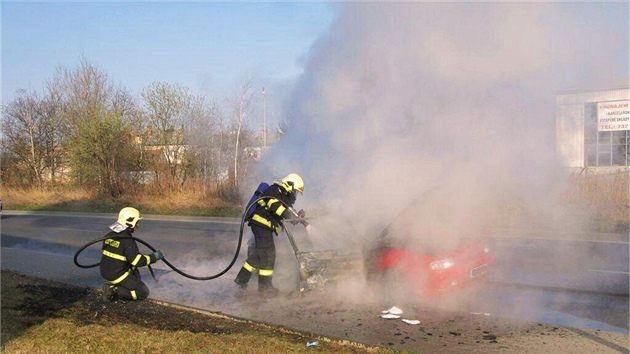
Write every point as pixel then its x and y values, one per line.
pixel 264 119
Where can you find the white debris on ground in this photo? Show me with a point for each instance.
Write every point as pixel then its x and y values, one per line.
pixel 393 310
pixel 389 316
pixel 394 313
pixel 312 344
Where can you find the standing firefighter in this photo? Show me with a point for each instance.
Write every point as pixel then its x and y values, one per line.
pixel 121 259
pixel 277 204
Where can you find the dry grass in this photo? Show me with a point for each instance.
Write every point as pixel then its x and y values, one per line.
pixel 32 198
pixel 62 335
pixel 608 190
pixel 194 200
pixel 606 197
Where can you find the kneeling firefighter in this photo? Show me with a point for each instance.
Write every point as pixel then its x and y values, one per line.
pixel 121 259
pixel 276 205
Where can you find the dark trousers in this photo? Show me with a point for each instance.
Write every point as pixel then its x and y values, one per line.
pixel 132 288
pixel 262 258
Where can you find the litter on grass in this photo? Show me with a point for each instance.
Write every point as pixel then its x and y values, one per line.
pixel 411 322
pixel 312 344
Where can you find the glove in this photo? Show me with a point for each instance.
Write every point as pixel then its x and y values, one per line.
pixel 301 216
pixel 296 217
pixel 158 255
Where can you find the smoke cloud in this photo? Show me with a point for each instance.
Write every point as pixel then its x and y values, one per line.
pixel 440 117
pixel 455 101
pixel 436 117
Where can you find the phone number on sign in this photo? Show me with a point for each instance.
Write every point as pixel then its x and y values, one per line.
pixel 624 126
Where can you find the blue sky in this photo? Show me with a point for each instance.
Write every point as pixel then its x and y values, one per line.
pixel 208 47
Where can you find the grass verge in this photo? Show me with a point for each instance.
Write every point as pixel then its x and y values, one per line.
pixel 41 316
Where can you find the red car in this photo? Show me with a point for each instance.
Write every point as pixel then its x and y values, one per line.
pixel 430 272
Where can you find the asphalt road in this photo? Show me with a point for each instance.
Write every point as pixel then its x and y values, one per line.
pixel 586 262
pixel 43 244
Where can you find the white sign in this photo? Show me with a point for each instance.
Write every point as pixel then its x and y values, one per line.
pixel 613 116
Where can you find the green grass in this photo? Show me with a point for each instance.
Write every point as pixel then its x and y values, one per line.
pixel 62 335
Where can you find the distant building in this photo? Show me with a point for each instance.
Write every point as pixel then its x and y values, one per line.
pixel 593 129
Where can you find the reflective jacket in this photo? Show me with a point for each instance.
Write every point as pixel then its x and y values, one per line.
pixel 121 256
pixel 276 205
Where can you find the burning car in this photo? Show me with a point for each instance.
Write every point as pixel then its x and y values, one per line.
pixel 429 270
pixel 430 251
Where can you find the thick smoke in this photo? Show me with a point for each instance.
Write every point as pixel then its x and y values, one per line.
pixel 439 117
pixel 449 106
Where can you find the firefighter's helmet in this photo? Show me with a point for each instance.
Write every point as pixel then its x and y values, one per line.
pixel 295 182
pixel 129 217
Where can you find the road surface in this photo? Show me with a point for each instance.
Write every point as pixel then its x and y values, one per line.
pixel 43 244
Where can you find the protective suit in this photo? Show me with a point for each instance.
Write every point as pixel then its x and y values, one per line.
pixel 121 259
pixel 276 205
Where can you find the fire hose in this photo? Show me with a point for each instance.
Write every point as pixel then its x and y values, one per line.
pixel 180 272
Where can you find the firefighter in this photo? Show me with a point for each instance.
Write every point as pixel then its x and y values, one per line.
pixel 277 205
pixel 121 259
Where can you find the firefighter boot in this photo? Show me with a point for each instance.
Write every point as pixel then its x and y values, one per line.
pixel 265 286
pixel 243 277
pixel 109 293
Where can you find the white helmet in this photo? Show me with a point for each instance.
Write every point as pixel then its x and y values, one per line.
pixel 294 181
pixel 129 217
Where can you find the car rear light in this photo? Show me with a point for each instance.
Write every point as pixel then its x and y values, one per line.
pixel 442 264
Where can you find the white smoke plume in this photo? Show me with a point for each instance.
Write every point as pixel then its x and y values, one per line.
pixel 454 102
pixel 449 107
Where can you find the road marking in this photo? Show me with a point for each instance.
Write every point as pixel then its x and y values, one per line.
pixel 558 239
pixel 608 271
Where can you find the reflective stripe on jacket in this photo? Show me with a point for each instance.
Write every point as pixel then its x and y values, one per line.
pixel 276 206
pixel 120 255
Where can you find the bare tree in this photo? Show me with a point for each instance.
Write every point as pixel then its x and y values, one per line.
pixel 52 111
pixel 24 135
pixel 96 127
pixel 241 106
pixel 171 111
pixel 205 137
